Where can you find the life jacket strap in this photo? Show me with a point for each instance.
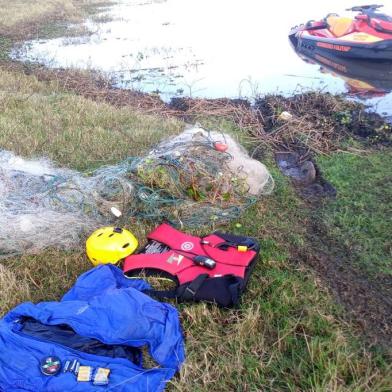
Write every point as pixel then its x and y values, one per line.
pixel 184 292
pixel 193 288
pixel 223 291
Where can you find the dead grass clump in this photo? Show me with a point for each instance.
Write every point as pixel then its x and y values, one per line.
pixel 237 110
pixel 318 123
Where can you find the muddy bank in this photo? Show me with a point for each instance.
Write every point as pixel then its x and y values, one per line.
pixel 305 175
pixel 318 122
pixel 296 129
pixel 367 302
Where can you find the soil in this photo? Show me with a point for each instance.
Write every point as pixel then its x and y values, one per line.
pixel 369 127
pixel 366 301
pixel 305 175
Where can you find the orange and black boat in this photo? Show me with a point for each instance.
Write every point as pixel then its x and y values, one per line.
pixel 368 35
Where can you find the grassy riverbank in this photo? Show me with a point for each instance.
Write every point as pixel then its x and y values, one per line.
pixel 27 19
pixel 300 326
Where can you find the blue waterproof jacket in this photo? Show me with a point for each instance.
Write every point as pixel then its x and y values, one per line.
pixel 98 322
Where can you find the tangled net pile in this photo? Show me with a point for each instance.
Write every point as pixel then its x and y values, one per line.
pixel 186 181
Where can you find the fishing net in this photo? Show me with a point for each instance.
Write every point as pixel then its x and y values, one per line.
pixel 194 179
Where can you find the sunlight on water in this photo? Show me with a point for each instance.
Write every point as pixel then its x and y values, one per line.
pixel 201 48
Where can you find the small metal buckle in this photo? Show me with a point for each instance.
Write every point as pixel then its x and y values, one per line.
pixel 191 291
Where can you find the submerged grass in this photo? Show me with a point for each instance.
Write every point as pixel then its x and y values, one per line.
pixel 25 19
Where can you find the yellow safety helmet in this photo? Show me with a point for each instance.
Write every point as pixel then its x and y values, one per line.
pixel 110 245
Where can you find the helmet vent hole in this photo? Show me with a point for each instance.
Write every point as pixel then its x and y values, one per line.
pixel 99 234
pixel 111 235
pixel 126 245
pixel 94 258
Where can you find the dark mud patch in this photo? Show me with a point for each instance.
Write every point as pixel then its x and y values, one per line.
pixel 372 127
pixel 185 104
pixel 305 175
pixel 367 301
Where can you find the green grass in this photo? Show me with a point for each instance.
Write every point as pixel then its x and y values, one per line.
pixel 288 335
pixel 29 19
pixel 360 218
pixel 38 119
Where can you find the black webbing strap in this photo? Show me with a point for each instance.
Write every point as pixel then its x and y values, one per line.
pixel 162 294
pixel 193 287
pixel 187 293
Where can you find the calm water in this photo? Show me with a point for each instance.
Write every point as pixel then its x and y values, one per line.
pixel 206 48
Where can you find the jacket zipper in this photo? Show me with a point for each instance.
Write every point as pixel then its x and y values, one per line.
pixel 77 352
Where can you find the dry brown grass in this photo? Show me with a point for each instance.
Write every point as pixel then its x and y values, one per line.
pixel 315 126
pixel 12 289
pixel 300 128
pixel 96 87
pixel 319 122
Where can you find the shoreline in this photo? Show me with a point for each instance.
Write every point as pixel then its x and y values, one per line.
pixel 258 119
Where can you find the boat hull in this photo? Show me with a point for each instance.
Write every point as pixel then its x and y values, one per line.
pixel 378 51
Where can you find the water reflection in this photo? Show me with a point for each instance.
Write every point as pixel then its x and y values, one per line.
pixel 364 79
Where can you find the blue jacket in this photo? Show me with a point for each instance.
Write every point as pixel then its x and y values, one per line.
pixel 102 305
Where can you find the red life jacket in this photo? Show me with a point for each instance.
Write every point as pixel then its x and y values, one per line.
pixel 214 268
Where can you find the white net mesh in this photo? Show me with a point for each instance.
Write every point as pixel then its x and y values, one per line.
pixel 185 180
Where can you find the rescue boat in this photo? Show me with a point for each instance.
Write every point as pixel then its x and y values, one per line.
pixel 368 35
